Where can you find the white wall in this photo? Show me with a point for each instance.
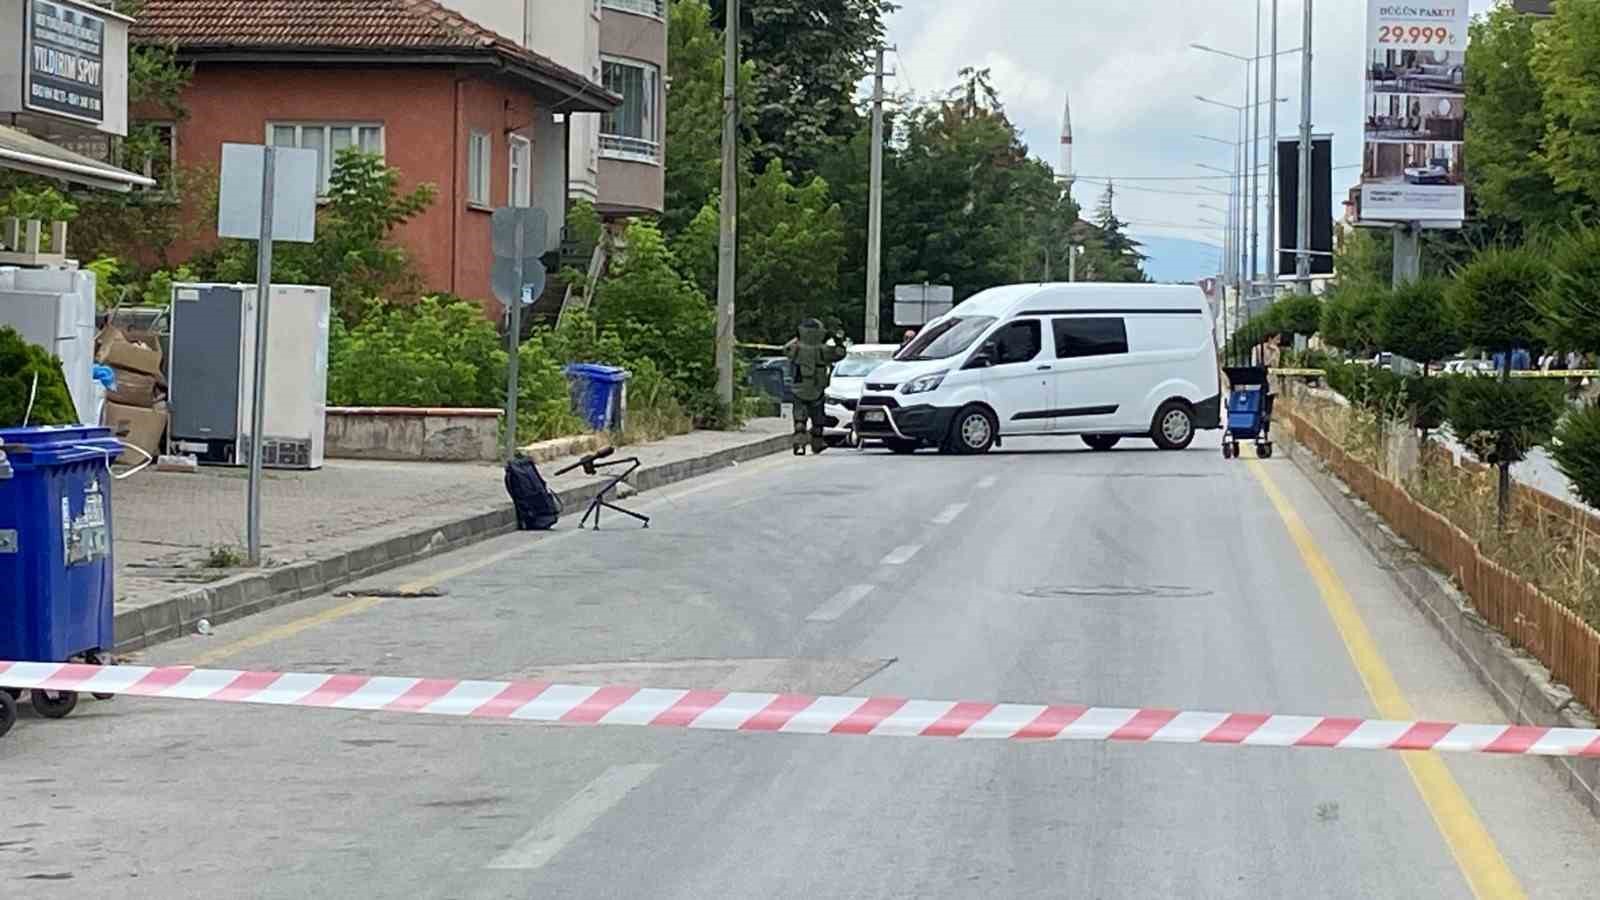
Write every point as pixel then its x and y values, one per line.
pixel 568 32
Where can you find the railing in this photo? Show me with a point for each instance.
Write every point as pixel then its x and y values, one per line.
pixel 617 146
pixel 1517 609
pixel 637 7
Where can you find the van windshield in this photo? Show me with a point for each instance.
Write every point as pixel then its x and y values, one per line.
pixel 945 339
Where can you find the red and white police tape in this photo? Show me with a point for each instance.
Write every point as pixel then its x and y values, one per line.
pixel 537 701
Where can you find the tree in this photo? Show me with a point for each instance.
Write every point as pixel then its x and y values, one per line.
pixel 1571 301
pixel 660 315
pixel 1300 314
pixel 1566 59
pixel 1500 420
pixel 809 55
pixel 1349 319
pixel 1115 255
pixel 354 252
pixel 1506 117
pixel 694 113
pixel 1494 299
pixel 790 241
pixel 1577 452
pixel 1414 321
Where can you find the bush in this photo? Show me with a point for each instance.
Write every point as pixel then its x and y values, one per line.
pixel 1494 299
pixel 1571 299
pixel 1299 314
pixel 1577 452
pixel 1501 420
pixel 437 352
pixel 1415 321
pixel 20 363
pixel 544 402
pixel 1349 320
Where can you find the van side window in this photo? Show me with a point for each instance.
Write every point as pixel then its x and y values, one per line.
pixel 1076 338
pixel 1018 342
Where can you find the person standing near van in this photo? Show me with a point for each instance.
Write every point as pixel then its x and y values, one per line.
pixel 812 355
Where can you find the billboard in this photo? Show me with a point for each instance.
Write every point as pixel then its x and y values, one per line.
pixel 64 61
pixel 1415 112
pixel 1321 204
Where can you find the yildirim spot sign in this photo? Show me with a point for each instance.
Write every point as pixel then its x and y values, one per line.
pixel 64 61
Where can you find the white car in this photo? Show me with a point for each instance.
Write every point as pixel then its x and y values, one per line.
pixel 844 389
pixel 1102 361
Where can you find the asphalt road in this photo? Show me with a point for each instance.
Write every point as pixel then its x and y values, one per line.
pixel 1040 574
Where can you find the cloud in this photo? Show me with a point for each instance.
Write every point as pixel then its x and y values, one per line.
pixel 1132 78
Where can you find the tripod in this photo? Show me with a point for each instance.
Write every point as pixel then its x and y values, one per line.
pixel 591 466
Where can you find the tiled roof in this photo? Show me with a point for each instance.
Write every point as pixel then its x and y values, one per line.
pixel 417 26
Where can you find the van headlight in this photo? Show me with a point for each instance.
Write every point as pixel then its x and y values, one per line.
pixel 924 384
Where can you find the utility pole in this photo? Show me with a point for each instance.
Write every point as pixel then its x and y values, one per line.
pixel 728 250
pixel 1272 161
pixel 875 209
pixel 1302 256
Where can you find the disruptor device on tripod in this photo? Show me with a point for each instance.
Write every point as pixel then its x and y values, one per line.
pixel 592 465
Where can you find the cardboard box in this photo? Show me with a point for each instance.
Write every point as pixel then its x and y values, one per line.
pixel 118 351
pixel 143 428
pixel 136 389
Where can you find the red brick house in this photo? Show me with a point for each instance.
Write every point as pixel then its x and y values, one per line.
pixel 443 99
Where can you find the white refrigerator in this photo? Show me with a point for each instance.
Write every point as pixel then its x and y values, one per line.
pixel 211 373
pixel 54 309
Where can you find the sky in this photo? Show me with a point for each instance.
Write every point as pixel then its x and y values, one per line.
pixel 1133 80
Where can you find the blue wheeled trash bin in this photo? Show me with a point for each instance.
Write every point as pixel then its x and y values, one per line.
pixel 56 571
pixel 599 394
pixel 1249 411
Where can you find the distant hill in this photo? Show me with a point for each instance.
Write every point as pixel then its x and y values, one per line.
pixel 1176 259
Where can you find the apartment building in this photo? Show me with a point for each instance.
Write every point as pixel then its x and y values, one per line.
pixel 615 159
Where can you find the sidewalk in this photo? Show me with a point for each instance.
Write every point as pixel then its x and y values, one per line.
pixel 176 534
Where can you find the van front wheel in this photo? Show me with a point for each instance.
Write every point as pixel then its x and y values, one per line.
pixel 1173 428
pixel 973 431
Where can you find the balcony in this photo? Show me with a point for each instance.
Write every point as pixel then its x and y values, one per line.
pixel 631 149
pixel 653 8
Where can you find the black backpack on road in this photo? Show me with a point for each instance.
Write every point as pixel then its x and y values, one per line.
pixel 538 507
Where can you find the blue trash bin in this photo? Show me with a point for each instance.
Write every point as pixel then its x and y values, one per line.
pixel 599 394
pixel 57 585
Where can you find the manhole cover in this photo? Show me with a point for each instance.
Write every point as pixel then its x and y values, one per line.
pixel 1163 591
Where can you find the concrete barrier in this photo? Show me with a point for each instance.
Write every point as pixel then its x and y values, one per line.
pixel 427 434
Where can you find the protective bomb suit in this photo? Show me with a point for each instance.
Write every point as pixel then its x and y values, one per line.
pixel 812 356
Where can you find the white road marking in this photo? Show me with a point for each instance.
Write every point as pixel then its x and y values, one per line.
pixel 840 604
pixel 949 514
pixel 987 482
pixel 901 555
pixel 573 818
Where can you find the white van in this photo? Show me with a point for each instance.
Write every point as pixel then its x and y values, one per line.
pixel 1103 361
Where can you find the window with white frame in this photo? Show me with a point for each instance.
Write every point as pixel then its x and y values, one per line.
pixel 327 139
pixel 521 183
pixel 480 156
pixel 632 130
pixel 651 8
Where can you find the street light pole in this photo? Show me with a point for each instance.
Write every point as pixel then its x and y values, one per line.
pixel 1272 160
pixel 1302 259
pixel 1255 156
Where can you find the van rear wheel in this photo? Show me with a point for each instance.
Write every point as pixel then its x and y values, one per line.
pixel 1173 428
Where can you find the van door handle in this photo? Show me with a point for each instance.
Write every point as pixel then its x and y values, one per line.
pixel 1044 368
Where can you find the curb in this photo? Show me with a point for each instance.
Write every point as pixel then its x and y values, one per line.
pixel 252 592
pixel 1518 682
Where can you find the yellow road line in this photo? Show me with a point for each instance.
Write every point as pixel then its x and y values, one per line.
pixel 1475 852
pixel 362 604
pixel 288 629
